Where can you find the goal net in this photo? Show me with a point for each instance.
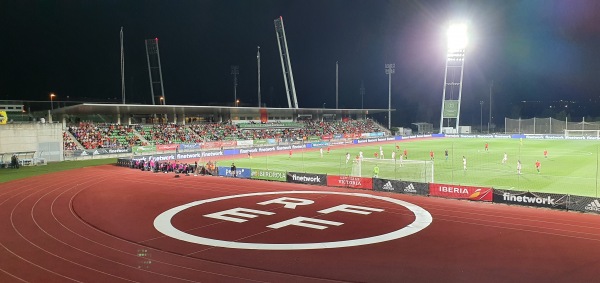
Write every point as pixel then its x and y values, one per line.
pixel 582 133
pixel 408 170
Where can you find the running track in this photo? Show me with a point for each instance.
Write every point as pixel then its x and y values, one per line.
pixel 96 225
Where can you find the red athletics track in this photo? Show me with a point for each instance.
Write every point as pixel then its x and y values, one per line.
pixel 90 224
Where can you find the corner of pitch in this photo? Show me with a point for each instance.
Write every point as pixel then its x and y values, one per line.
pixel 273 223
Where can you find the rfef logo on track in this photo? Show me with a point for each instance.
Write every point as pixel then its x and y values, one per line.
pixel 292 220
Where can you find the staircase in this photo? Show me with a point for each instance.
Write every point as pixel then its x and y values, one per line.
pixel 72 137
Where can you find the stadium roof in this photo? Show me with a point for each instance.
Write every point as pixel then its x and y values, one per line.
pixel 143 109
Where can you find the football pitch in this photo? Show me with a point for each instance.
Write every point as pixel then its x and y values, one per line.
pixel 571 166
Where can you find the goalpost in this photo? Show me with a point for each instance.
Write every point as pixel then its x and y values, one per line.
pixel 409 170
pixel 582 133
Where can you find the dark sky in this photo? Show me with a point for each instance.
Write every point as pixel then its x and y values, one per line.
pixel 535 50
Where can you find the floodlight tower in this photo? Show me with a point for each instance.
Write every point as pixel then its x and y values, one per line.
pixel 389 70
pixel 286 65
pixel 155 70
pixel 453 78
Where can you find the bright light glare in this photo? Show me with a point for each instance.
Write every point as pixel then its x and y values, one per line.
pixel 457 36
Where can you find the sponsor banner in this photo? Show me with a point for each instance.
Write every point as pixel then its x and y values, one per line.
pixel 306 178
pixel 245 143
pixel 173 156
pixel 3 118
pixel 309 145
pixel 401 187
pixel 99 151
pixel 518 136
pixel 141 149
pixel 184 146
pixel 555 201
pixel 211 145
pixel 269 125
pixel 231 151
pixel 502 136
pixel 350 182
pixel 584 204
pixel 231 143
pixel 314 138
pixel 450 109
pixel 461 192
pixel 271 175
pixel 240 172
pixel 320 144
pixel 259 142
pixel 338 136
pixel 165 147
pixel 271 141
pixel 326 137
pixel 438 135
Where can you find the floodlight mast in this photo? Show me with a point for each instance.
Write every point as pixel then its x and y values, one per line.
pixel 286 65
pixel 389 70
pixel 455 62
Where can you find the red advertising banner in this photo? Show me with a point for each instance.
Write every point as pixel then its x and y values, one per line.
pixel 229 143
pixel 357 135
pixel 350 182
pixel 163 147
pixel 348 136
pixel 461 192
pixel 211 145
pixel 326 137
pixel 264 116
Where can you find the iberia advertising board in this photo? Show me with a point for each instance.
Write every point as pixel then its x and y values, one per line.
pixel 350 182
pixel 211 145
pixel 461 192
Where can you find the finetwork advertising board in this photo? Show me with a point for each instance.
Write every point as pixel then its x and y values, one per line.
pixel 306 178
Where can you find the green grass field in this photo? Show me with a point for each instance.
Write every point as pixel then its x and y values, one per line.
pixel 571 166
pixel 9 174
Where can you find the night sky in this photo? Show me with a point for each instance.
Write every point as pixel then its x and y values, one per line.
pixel 533 50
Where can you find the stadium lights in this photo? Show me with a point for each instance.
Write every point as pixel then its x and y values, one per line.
pixel 457 37
pixel 52 95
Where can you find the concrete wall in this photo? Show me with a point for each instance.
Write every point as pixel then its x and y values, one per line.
pixel 45 139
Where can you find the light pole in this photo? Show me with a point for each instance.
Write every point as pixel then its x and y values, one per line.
pixel 52 95
pixel 336 84
pixel 237 102
pixel 258 63
pixel 362 95
pixel 481 116
pixel 389 70
pixel 235 70
pixel 162 100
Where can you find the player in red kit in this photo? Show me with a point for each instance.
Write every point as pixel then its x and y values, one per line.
pixel 431 154
pixel 290 154
pixel 537 166
pixel 405 154
pixel 486 146
pixel 545 153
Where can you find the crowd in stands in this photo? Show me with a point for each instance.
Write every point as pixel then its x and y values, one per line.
pixel 93 136
pixel 68 143
pixel 167 134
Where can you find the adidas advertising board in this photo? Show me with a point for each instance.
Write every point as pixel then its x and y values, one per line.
pixel 584 204
pixel 401 187
pixel 240 172
pixel 461 192
pixel 350 182
pixel 554 201
pixel 306 178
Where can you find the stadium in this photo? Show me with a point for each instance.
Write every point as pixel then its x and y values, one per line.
pixel 158 192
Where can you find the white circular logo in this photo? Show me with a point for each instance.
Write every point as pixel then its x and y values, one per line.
pixel 162 223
